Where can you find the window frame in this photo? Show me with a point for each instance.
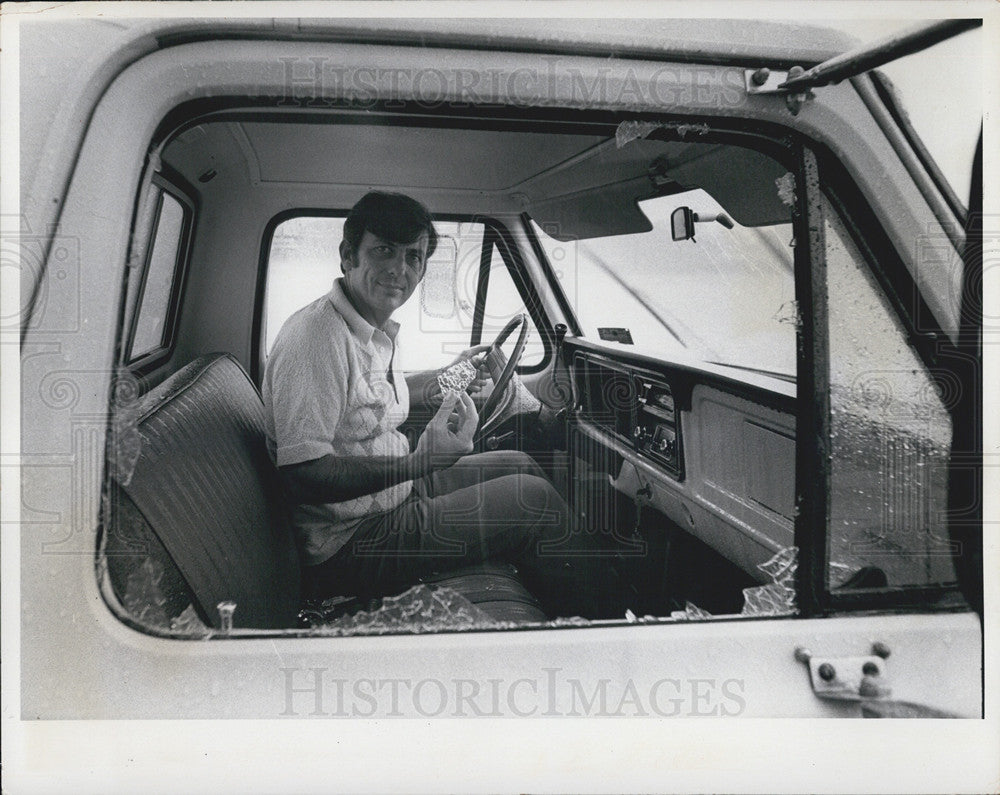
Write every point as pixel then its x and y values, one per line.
pixel 149 360
pixel 887 267
pixel 927 340
pixel 258 330
pixel 497 234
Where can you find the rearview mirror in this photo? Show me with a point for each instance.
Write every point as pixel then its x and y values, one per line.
pixel 682 224
pixel 683 219
pixel 439 288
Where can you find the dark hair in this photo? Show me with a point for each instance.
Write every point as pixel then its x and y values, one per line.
pixel 391 216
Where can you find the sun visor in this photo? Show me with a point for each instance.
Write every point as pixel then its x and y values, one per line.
pixel 749 185
pixel 598 212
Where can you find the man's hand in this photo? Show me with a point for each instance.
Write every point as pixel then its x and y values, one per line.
pixel 476 356
pixel 448 436
pixel 425 391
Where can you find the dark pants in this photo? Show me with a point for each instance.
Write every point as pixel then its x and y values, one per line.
pixel 490 506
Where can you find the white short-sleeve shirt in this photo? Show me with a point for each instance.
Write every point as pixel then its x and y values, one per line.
pixel 326 391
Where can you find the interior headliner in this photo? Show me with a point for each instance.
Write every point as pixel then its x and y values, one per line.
pixel 585 183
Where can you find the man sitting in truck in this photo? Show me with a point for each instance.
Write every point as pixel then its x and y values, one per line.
pixel 371 515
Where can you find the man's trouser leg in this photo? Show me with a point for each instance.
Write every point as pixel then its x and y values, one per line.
pixel 493 506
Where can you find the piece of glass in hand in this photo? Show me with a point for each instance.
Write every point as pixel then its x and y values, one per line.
pixel 457 377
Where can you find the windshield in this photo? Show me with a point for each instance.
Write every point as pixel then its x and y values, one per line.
pixel 726 297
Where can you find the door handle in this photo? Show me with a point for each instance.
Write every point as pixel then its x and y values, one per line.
pixel 493 442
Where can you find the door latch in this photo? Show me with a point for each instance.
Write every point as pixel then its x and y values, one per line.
pixel 848 678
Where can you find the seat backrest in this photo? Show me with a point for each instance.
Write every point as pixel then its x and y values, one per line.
pixel 204 487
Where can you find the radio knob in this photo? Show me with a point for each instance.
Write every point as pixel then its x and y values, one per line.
pixel 638 432
pixel 664 444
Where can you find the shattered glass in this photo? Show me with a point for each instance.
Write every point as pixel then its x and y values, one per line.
pixel 890 432
pixel 435 609
pixel 146 601
pixel 144 598
pixel 423 608
pixel 788 313
pixel 567 621
pixel 188 623
pixel 691 612
pixel 631 130
pixel 126 442
pixel 786 189
pixel 777 598
pixel 418 610
pixel 839 573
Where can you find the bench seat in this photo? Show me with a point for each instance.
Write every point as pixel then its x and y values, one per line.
pixel 196 517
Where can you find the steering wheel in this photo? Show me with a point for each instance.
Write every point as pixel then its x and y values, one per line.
pixel 501 372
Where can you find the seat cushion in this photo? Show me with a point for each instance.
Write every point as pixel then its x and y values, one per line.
pixel 493 588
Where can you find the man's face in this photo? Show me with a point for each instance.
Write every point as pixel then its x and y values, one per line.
pixel 383 275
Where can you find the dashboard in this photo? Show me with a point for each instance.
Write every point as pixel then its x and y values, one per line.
pixel 635 406
pixel 713 453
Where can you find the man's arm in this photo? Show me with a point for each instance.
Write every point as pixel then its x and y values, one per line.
pixel 336 479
